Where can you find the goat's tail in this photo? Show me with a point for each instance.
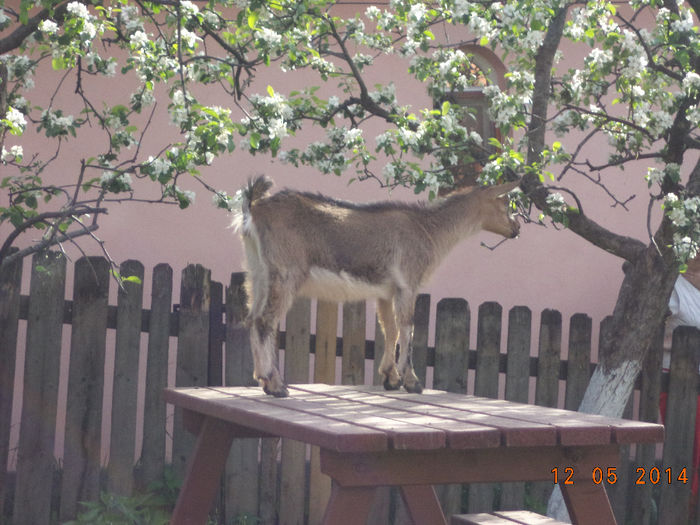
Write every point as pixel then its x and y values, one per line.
pixel 257 188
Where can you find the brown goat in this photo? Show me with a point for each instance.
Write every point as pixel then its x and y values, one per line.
pixel 310 245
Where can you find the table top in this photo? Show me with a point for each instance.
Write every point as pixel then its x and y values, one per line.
pixel 365 418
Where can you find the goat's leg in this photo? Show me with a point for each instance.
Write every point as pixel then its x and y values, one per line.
pixel 263 333
pixel 387 367
pixel 405 306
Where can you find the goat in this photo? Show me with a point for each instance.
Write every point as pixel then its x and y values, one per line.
pixel 314 246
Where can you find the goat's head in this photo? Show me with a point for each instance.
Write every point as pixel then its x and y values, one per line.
pixel 497 216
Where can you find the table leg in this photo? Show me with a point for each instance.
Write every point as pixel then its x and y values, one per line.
pixel 423 505
pixel 588 503
pixel 203 473
pixel 348 505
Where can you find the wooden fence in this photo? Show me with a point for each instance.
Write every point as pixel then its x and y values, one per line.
pixel 277 482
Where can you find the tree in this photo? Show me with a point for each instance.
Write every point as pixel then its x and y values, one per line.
pixel 637 88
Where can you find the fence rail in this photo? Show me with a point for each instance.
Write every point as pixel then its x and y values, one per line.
pixel 262 477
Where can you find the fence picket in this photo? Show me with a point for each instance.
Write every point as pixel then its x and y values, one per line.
pixel 421 322
pixel 488 351
pixel 10 282
pixel 81 458
pixel 451 358
pixel 241 475
pixel 680 416
pixel 353 361
pixel 639 506
pixel 578 361
pixel 217 335
pixel 296 370
pixel 547 385
pixel 192 347
pixel 120 469
pixel 35 459
pixel 152 461
pixel 517 385
pixel 324 372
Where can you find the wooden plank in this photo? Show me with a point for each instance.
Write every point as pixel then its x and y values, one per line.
pixel 451 345
pixel 354 335
pixel 450 372
pixel 680 419
pixel 579 360
pixel 547 388
pixel 153 449
pixel 192 346
pixel 241 476
pixel 421 323
pixel 296 370
pixel 252 408
pixel 640 503
pixel 217 335
pixel 324 372
pixel 369 406
pixel 10 283
pixel 120 469
pixel 35 458
pixel 203 473
pixel 81 459
pixel 488 350
pixel 517 385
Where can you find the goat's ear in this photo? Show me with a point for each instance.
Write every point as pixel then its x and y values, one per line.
pixel 503 189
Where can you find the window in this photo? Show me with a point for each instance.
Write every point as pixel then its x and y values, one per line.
pixel 487 68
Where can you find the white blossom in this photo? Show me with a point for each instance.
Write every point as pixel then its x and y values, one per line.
pixel 270 37
pixel 48 26
pixel 556 202
pixel 138 39
pixel 78 9
pixel 691 82
pixel 16 118
pixel 188 37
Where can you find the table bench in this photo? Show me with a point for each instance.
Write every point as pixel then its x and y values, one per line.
pixel 369 438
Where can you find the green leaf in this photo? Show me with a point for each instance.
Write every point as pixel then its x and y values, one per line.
pixel 446 107
pixel 58 63
pixel 252 19
pixel 270 90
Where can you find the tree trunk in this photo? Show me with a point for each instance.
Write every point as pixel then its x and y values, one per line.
pixel 640 311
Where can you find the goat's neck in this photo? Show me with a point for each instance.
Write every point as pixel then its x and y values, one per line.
pixel 453 219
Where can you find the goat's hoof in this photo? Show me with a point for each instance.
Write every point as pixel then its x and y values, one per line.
pixel 415 388
pixel 388 385
pixel 280 391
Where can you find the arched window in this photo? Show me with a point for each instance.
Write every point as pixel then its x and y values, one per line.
pixel 487 70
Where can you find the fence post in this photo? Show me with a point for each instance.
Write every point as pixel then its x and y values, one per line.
pixel 120 469
pixel 324 372
pixel 640 500
pixel 296 370
pixel 192 350
pixel 488 351
pixel 450 373
pixel 152 462
pixel 354 336
pixel 680 425
pixel 81 459
pixel 547 386
pixel 35 459
pixel 517 385
pixel 10 282
pixel 241 477
pixel 421 322
pixel 578 370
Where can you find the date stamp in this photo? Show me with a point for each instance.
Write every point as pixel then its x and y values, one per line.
pixel 609 475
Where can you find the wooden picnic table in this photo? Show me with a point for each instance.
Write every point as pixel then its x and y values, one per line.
pixel 370 438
